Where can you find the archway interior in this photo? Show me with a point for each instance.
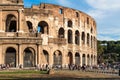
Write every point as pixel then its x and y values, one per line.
pixel 43 27
pixel 11 23
pixel 77 37
pixel 77 59
pixel 70 58
pixel 61 33
pixel 30 27
pixel 46 56
pixel 29 58
pixel 10 57
pixel 57 58
pixel 83 59
pixel 70 36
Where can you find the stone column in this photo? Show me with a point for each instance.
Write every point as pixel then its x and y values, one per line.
pixel 38 54
pixel 1 26
pixel 1 59
pixel 19 28
pixel 51 58
pixel 81 60
pixel 73 58
pixel 85 59
pixel 64 62
pixel 20 55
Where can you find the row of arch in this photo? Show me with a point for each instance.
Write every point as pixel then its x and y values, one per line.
pixel 43 27
pixel 90 39
pixel 29 57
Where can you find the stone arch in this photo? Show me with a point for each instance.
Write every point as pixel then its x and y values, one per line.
pixel 29 57
pixel 91 41
pixel 91 30
pixel 70 23
pixel 91 59
pixel 83 37
pixel 57 57
pixel 10 57
pixel 77 37
pixel 43 27
pixel 88 59
pixel 46 56
pixel 70 37
pixel 88 39
pixel 77 58
pixel 11 23
pixel 30 26
pixel 77 14
pixel 70 58
pixel 83 59
pixel 61 33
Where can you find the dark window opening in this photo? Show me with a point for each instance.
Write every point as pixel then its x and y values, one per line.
pixel 61 33
pixel 70 23
pixel 83 38
pixel 69 36
pixel 70 58
pixel 29 24
pixel 61 11
pixel 11 23
pixel 77 14
pixel 43 27
pixel 87 20
pixel 10 57
pixel 88 37
pixel 77 59
pixel 57 58
pixel 46 56
pixel 77 37
pixel 29 58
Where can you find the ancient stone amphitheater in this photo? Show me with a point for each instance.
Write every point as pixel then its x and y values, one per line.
pixel 46 34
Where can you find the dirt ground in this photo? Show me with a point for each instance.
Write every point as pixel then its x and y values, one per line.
pixel 60 75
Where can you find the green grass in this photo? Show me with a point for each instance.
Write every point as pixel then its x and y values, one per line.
pixel 23 72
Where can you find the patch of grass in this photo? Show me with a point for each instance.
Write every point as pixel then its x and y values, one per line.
pixel 23 72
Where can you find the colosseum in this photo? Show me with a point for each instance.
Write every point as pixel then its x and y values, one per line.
pixel 46 34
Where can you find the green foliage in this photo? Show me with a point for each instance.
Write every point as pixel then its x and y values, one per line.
pixel 108 51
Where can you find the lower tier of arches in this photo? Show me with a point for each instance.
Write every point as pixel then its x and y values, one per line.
pixel 33 55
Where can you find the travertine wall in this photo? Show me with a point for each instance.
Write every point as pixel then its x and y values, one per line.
pixel 46 34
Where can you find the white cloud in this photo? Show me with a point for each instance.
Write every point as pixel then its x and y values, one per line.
pixel 106 13
pixel 64 2
pixel 104 4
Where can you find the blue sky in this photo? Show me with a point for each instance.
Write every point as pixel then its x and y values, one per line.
pixel 105 12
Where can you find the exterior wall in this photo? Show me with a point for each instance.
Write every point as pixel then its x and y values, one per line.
pixel 49 43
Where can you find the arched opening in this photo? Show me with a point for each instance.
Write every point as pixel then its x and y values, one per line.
pixel 91 41
pixel 57 58
pixel 77 58
pixel 77 14
pixel 88 39
pixel 70 36
pixel 43 27
pixel 77 37
pixel 70 58
pixel 11 23
pixel 10 57
pixel 91 59
pixel 29 57
pixel 30 26
pixel 46 55
pixel 83 38
pixel 61 33
pixel 88 60
pixel 91 30
pixel 70 24
pixel 83 59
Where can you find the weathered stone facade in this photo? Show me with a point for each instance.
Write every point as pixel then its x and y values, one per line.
pixel 45 34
